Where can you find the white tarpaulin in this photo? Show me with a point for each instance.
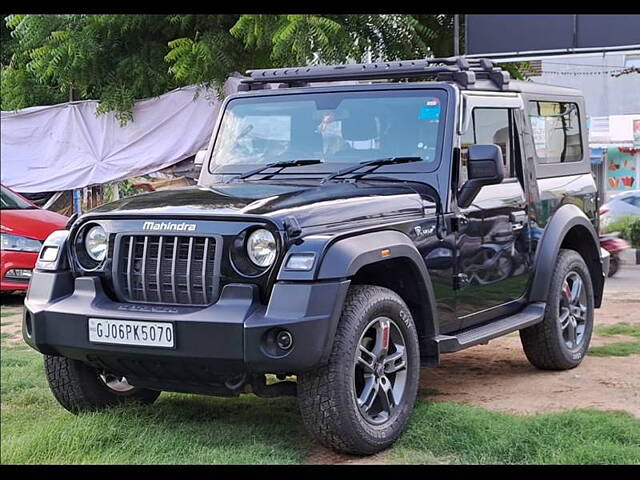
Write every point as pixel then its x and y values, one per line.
pixel 66 146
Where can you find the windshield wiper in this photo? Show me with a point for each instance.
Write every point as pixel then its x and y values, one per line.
pixel 378 162
pixel 283 164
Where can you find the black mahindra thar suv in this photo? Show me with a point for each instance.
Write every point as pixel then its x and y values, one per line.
pixel 351 223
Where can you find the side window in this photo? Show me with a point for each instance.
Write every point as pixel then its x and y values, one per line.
pixel 488 125
pixel 556 131
pixel 632 200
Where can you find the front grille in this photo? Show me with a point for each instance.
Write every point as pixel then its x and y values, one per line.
pixel 167 269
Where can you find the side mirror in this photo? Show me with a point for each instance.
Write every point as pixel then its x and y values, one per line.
pixel 200 156
pixel 485 167
pixel 439 258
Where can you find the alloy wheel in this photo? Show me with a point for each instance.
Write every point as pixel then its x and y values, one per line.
pixel 572 314
pixel 380 371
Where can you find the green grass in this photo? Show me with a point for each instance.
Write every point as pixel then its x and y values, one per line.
pixel 623 328
pixel 466 434
pixel 6 335
pixel 617 349
pixel 176 429
pixel 198 429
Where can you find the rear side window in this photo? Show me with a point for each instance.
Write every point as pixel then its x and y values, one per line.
pixel 556 131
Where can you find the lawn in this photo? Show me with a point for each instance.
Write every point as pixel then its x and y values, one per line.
pixel 622 328
pixel 197 429
pixel 176 429
pixel 617 349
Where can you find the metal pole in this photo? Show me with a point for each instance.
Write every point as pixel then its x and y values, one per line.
pixel 76 193
pixel 77 201
pixel 456 34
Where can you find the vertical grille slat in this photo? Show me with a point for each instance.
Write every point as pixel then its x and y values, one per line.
pixel 204 269
pixel 159 271
pixel 143 276
pixel 167 269
pixel 188 275
pixel 129 261
pixel 173 270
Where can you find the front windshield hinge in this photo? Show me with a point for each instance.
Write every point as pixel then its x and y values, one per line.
pixel 292 227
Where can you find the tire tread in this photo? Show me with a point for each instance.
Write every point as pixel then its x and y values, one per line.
pixel 541 342
pixel 77 388
pixel 320 411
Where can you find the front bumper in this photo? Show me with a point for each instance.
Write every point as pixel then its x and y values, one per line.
pixel 229 338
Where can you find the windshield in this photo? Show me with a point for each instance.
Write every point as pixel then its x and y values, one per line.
pixel 336 128
pixel 11 201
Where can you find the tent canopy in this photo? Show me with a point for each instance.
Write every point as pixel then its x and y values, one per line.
pixel 66 146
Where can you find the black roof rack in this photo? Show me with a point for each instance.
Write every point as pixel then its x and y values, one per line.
pixel 461 70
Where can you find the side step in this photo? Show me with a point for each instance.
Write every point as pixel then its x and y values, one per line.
pixel 530 315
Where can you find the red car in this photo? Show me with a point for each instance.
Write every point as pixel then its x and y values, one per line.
pixel 23 227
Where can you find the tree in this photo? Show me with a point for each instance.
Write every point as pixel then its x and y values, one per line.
pixel 114 58
pixel 117 59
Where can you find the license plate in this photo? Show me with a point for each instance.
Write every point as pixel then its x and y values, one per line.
pixel 130 332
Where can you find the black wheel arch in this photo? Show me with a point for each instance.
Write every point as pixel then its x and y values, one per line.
pixel 568 228
pixel 385 258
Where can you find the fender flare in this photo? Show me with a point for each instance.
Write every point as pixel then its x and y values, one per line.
pixel 563 220
pixel 345 257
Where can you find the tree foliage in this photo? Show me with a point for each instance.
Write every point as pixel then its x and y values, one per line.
pixel 117 59
pixel 114 58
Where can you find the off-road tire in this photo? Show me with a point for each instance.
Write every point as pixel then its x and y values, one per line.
pixel 78 387
pixel 326 394
pixel 543 343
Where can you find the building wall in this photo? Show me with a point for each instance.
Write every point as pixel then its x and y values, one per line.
pixel 604 95
pixel 613 103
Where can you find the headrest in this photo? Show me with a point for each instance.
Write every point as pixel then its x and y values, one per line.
pixel 359 126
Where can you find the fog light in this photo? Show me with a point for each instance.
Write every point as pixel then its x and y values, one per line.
pixel 19 274
pixel 284 340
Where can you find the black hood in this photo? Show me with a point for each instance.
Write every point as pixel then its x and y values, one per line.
pixel 328 204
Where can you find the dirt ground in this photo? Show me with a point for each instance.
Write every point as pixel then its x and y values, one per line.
pixel 498 377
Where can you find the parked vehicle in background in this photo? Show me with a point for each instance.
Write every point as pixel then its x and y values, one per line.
pixel 343 235
pixel 23 227
pixel 620 205
pixel 615 245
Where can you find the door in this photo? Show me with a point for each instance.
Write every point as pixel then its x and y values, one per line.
pixel 493 258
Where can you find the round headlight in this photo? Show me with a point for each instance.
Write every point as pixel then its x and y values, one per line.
pixel 261 247
pixel 96 243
